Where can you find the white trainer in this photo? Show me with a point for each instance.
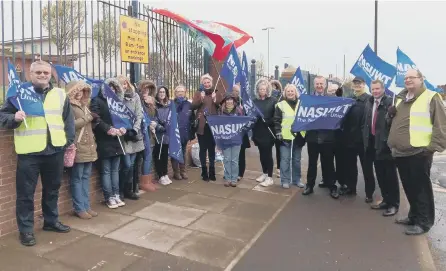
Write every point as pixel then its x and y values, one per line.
pixel 262 178
pixel 268 182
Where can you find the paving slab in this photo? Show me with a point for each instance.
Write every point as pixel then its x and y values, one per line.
pixel 181 184
pixel 277 189
pixel 250 211
pixel 55 266
pixel 164 194
pixel 170 214
pixel 150 234
pixel 20 261
pixel 93 252
pixel 158 261
pixel 259 197
pixel 247 183
pixel 205 188
pixel 131 206
pixel 227 226
pixel 203 202
pixel 100 225
pixel 207 249
pixel 46 242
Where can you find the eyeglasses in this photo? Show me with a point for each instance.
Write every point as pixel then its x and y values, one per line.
pixel 40 72
pixel 411 78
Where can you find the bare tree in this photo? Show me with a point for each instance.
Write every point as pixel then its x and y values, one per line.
pixel 63 20
pixel 260 65
pixel 106 36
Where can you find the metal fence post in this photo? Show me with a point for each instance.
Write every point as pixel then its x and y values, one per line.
pixel 135 73
pixel 276 73
pixel 206 62
pixel 252 77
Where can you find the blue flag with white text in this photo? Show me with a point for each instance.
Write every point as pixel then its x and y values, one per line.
pixel 228 131
pixel 248 105
pixel 371 67
pixel 231 71
pixel 298 81
pixel 121 115
pixel 404 63
pixel 175 149
pixel 67 74
pixel 23 96
pixel 320 112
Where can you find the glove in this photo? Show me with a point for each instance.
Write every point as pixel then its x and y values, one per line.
pixel 279 136
pixel 391 111
pixel 339 92
pixel 130 135
pixel 95 116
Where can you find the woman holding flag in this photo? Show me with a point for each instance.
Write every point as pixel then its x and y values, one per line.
pixel 262 134
pixel 290 145
pixel 161 128
pixel 278 95
pixel 231 153
pixel 206 100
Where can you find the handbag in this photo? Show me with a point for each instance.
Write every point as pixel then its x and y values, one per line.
pixel 70 152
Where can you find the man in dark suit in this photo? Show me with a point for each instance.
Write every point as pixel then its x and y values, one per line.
pixel 375 131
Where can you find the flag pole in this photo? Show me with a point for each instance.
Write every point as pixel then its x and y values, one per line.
pixel 161 147
pixel 21 109
pixel 120 143
pixel 215 66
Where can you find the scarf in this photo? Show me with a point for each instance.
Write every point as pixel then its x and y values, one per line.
pixel 359 93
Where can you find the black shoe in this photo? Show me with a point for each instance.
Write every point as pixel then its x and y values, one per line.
pixel 350 192
pixel 131 195
pixel 308 190
pixel 414 230
pixel 368 199
pixel 382 206
pixel 212 174
pixel 58 227
pixel 322 184
pixel 334 193
pixel 404 221
pixel 343 189
pixel 27 239
pixel 391 211
pixel 204 174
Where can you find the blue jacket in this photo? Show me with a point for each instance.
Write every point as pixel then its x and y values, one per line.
pixel 163 120
pixel 185 118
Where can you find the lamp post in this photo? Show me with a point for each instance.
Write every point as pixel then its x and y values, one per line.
pixel 376 27
pixel 267 29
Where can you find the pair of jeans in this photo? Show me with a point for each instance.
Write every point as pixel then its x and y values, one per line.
pixel 126 173
pixel 80 186
pixel 290 170
pixel 110 176
pixel 50 168
pixel 230 161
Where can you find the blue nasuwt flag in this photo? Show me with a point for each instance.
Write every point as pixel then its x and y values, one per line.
pixel 67 74
pixel 404 63
pixel 320 112
pixel 231 71
pixel 147 164
pixel 228 131
pixel 121 115
pixel 250 108
pixel 175 149
pixel 23 96
pixel 298 81
pixel 371 67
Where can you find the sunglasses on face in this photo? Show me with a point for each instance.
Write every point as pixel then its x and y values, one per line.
pixel 40 72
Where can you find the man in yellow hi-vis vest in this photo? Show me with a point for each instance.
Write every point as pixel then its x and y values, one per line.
pixel 418 130
pixel 40 142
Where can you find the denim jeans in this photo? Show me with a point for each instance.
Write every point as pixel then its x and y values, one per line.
pixel 127 169
pixel 110 176
pixel 230 161
pixel 80 184
pixel 285 169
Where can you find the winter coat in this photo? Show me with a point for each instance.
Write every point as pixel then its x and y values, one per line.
pixel 185 119
pixel 382 127
pixel 207 103
pixel 351 124
pixel 108 146
pixel 84 139
pixel 260 132
pixel 133 139
pixel 163 120
pixel 149 109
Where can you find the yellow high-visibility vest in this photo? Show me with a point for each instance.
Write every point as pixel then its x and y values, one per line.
pixel 420 124
pixel 33 138
pixel 288 116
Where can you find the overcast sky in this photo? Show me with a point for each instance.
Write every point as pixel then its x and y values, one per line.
pixel 317 34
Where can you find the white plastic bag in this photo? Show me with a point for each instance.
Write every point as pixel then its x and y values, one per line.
pixel 196 154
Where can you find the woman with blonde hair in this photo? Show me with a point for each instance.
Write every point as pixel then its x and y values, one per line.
pixel 206 99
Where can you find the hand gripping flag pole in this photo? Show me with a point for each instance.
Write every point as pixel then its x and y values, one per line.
pixel 21 109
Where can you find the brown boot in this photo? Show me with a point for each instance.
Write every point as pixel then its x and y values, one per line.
pixel 183 171
pixel 84 215
pixel 176 169
pixel 92 213
pixel 146 183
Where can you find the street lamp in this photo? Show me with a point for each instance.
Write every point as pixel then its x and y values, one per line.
pixel 267 29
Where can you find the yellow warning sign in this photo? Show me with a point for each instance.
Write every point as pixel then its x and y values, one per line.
pixel 134 40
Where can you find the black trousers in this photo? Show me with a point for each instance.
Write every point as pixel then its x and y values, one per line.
pixel 161 162
pixel 339 154
pixel 137 169
pixel 415 177
pixel 388 181
pixel 50 168
pixel 351 169
pixel 326 151
pixel 242 161
pixel 266 158
pixel 277 144
pixel 207 145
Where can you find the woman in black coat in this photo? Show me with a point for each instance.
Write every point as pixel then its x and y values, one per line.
pixel 109 149
pixel 262 131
